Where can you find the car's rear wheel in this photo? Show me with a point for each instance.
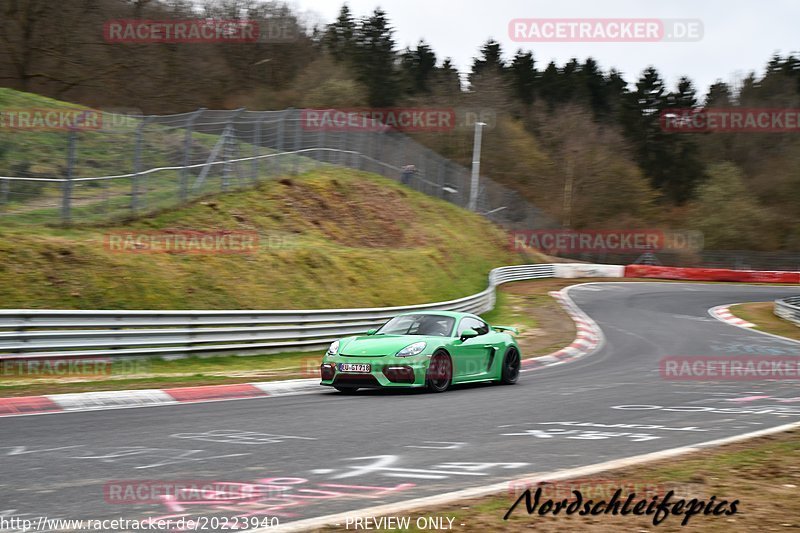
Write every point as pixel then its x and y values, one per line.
pixel 346 390
pixel 511 365
pixel 440 373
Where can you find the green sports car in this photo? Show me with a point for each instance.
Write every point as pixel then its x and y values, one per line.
pixel 432 349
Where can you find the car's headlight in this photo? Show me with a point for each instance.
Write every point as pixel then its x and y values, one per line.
pixel 333 349
pixel 411 349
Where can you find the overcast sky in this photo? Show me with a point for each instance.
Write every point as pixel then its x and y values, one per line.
pixel 739 35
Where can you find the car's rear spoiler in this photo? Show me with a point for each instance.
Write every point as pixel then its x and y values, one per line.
pixel 506 328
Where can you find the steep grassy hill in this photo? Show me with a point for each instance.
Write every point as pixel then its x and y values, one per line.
pixel 327 238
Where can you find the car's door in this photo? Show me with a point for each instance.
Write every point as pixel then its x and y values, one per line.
pixel 473 356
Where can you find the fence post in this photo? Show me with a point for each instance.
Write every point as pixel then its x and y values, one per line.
pixel 137 162
pixel 187 150
pixel 381 151
pixel 440 177
pixel 296 145
pixel 256 149
pixel 5 189
pixel 228 137
pixel 358 150
pixel 321 141
pixel 279 145
pixel 66 186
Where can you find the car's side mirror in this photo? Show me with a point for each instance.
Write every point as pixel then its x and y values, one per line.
pixel 468 334
pixel 372 331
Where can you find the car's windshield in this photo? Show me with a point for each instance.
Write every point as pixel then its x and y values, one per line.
pixel 432 325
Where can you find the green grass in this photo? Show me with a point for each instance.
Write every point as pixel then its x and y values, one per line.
pixel 159 373
pixel 509 311
pixel 331 238
pixel 109 151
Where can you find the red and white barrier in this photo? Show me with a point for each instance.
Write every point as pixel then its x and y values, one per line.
pixel 711 274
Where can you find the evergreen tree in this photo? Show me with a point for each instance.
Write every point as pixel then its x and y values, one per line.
pixel 375 59
pixel 418 66
pixel 446 80
pixel 670 160
pixel 523 76
pixel 489 63
pixel 719 95
pixel 339 38
pixel 549 88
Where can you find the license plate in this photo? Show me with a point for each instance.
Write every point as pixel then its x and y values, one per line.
pixel 354 367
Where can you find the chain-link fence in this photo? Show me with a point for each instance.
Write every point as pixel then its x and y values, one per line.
pixel 126 165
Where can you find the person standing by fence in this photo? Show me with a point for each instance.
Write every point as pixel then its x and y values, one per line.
pixel 407 173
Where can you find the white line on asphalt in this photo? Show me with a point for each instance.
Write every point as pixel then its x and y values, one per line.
pixel 532 479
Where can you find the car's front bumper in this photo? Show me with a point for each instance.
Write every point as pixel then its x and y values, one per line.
pixel 388 371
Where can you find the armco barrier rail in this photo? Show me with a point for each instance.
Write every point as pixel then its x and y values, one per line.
pixel 26 334
pixel 39 333
pixel 789 309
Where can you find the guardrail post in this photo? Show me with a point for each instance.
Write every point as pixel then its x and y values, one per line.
pixel 66 186
pixel 187 151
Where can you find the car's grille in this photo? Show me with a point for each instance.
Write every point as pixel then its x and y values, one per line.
pixel 356 380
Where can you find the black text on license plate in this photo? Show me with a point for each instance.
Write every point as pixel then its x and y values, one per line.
pixel 354 367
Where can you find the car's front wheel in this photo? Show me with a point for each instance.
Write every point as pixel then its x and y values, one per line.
pixel 440 373
pixel 511 365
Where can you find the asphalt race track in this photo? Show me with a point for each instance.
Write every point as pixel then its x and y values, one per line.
pixel 322 453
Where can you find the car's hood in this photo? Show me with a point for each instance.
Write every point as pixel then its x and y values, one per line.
pixel 378 345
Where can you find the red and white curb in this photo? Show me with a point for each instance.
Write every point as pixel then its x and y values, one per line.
pixel 588 340
pixel 91 401
pixel 721 312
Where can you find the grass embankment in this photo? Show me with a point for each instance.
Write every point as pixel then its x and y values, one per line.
pixel 105 144
pixel 329 238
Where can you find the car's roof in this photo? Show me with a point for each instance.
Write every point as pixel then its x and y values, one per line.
pixel 453 314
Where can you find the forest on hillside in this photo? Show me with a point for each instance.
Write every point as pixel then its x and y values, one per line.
pixel 580 126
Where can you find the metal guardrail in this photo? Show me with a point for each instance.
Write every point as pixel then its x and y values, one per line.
pixel 789 309
pixel 31 333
